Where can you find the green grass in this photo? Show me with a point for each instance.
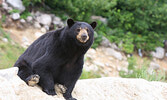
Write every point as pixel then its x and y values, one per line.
pixel 9 54
pixel 89 74
pixel 3 34
pixel 14 11
pixel 142 72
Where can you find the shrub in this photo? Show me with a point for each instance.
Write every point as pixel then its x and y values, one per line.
pixel 25 14
pixel 137 24
pixel 80 9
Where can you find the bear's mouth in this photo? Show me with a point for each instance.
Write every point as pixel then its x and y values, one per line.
pixel 82 36
pixel 82 40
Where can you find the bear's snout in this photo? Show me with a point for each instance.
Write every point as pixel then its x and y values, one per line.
pixel 83 36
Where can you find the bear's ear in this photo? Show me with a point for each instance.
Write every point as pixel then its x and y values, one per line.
pixel 70 22
pixel 93 24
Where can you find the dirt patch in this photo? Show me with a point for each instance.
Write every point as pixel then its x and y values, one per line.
pixel 23 37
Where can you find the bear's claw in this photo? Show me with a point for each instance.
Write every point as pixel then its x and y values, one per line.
pixel 33 80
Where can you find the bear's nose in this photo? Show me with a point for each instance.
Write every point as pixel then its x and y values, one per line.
pixel 83 36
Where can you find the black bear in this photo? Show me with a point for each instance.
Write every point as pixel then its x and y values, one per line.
pixel 57 57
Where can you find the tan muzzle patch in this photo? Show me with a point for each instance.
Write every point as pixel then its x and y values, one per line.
pixel 83 36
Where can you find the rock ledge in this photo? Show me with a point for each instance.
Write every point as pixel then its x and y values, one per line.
pixel 107 88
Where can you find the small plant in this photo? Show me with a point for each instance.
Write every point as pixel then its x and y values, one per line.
pixel 2 20
pixel 25 14
pixel 142 72
pixel 4 34
pixel 89 74
pixel 9 54
pixel 14 11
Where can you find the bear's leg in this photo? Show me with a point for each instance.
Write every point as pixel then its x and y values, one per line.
pixel 69 87
pixel 41 67
pixel 47 83
pixel 26 73
pixel 46 80
pixel 72 78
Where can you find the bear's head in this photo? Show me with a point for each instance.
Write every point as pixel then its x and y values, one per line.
pixel 82 32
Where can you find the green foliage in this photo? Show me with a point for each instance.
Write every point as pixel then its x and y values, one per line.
pixel 138 24
pixel 89 74
pixel 25 14
pixel 80 9
pixel 142 72
pixel 27 3
pixel 14 11
pixel 145 19
pixel 2 20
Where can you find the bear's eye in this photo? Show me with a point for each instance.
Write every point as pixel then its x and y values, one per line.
pixel 87 29
pixel 78 29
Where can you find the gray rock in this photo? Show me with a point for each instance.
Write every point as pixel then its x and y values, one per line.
pixel 37 14
pixel 56 19
pixel 99 63
pixel 114 46
pixel 114 53
pixel 22 21
pixel 16 4
pixel 57 22
pixel 15 16
pixel 29 19
pixel 5 5
pixel 154 66
pixel 90 67
pixel 37 25
pixel 159 53
pixel 5 40
pixel 46 27
pixel 104 20
pixel 44 19
pixel 166 54
pixel 43 30
pixel 105 42
pixel 140 53
pixel 9 73
pixel 106 88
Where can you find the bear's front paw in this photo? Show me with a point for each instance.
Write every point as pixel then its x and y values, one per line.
pixel 71 98
pixel 50 91
pixel 33 80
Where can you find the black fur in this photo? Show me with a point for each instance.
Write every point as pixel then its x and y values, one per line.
pixel 57 57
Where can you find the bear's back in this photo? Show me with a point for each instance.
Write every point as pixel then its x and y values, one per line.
pixel 39 47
